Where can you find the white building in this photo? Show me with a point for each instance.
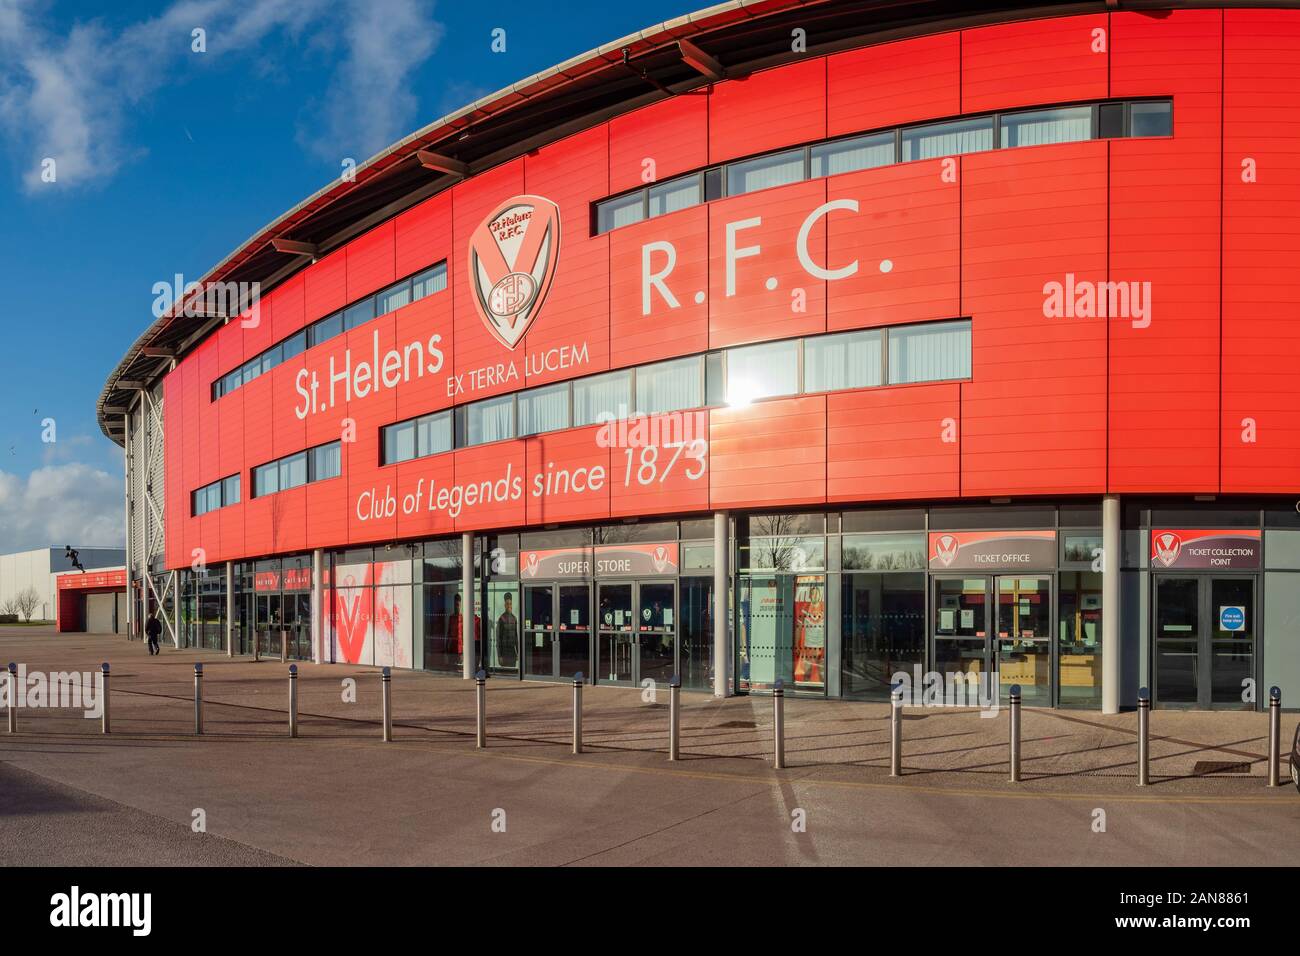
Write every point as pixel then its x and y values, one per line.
pixel 36 569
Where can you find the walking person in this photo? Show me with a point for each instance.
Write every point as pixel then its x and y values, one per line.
pixel 153 630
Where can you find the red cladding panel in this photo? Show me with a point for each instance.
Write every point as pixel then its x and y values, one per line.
pixel 893 443
pixel 372 496
pixel 176 503
pixel 497 474
pixel 424 341
pixel 370 261
pixel 658 141
pixel 1035 62
pixel 207 360
pixel 326 386
pixel 679 326
pixel 326 285
pixel 289 312
pixel 1165 223
pixel 568 477
pixel 1034 414
pixel 482 364
pixel 327 506
pixel 906 239
pixel 765 226
pixel 422 479
pixel 660 464
pixel 575 317
pixel 289 432
pixel 770 453
pixel 768 110
pixel 423 234
pixel 893 83
pixel 1261 217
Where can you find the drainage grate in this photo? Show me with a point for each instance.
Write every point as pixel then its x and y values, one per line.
pixel 1203 767
pixel 737 724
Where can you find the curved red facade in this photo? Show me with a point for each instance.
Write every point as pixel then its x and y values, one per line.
pixel 1196 396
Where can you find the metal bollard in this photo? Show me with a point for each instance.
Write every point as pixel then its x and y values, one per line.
pixel 1274 736
pixel 257 646
pixel 284 646
pixel 198 698
pixel 1015 733
pixel 675 718
pixel 577 712
pixel 778 723
pixel 103 690
pixel 293 700
pixel 480 709
pixel 1144 737
pixel 896 731
pixel 388 704
pixel 13 698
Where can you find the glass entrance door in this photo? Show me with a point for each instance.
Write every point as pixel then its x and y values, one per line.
pixel 1024 651
pixel 616 638
pixel 1204 644
pixel 657 637
pixel 557 630
pixel 961 625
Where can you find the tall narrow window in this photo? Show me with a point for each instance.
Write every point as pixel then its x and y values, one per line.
pixel 929 353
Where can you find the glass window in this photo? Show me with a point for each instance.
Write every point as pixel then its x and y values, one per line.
pixel 883 552
pixel 358 314
pixel 326 329
pixel 784 553
pixel 295 345
pixel 1151 119
pixel 850 360
pixel 621 211
pixel 929 353
pixel 765 172
pixel 714 392
pixel 270 358
pixel 266 479
pixel 433 434
pixel 675 194
pixel 759 371
pixel 1070 124
pixel 428 282
pixel 393 298
pixel 399 442
pixel 948 139
pixel 669 386
pixel 1079 639
pixel 232 381
pixel 293 471
pixel 544 409
pixel 882 631
pixel 602 398
pixel 490 420
pixel 230 490
pixel 846 155
pixel 327 461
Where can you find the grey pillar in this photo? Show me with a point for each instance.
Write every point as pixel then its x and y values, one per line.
pixel 318 606
pixel 126 468
pixel 467 602
pixel 230 609
pixel 721 608
pixel 1110 616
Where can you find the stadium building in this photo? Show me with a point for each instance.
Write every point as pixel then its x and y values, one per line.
pixel 811 341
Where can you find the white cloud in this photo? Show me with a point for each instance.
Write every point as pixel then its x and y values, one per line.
pixel 61 504
pixel 72 97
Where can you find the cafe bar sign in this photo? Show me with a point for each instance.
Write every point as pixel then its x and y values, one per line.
pixel 993 550
pixel 1185 549
pixel 606 560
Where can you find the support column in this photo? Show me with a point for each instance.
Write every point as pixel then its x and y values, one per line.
pixel 230 609
pixel 721 608
pixel 318 606
pixel 467 602
pixel 126 468
pixel 1111 548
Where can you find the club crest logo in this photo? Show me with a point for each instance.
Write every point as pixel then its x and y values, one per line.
pixel 1165 548
pixel 512 257
pixel 530 564
pixel 945 549
pixel 660 558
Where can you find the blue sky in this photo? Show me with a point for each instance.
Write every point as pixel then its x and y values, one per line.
pixel 166 159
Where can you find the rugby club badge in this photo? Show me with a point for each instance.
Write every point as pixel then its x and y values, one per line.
pixel 512 257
